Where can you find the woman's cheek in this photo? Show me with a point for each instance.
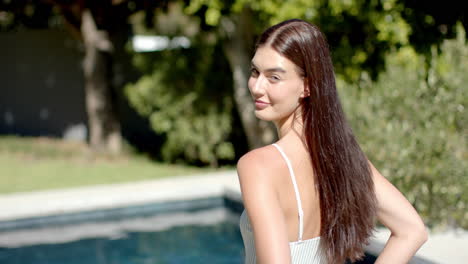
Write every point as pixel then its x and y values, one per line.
pixel 277 95
pixel 250 84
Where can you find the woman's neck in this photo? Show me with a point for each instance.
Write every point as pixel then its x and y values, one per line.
pixel 290 125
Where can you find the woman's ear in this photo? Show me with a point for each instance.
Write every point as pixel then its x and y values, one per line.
pixel 305 89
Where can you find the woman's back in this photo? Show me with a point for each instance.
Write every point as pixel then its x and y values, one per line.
pixel 298 201
pixel 303 174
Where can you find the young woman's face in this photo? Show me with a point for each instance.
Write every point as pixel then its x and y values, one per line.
pixel 275 85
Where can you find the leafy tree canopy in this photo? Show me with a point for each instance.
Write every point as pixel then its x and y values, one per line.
pixel 359 32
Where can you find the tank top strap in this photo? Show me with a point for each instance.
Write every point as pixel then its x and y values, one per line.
pixel 296 190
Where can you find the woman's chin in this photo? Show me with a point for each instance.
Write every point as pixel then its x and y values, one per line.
pixel 263 116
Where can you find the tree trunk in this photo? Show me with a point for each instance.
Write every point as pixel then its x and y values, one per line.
pixel 237 46
pixel 104 126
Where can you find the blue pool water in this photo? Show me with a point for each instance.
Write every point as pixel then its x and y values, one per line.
pixel 218 243
pixel 199 231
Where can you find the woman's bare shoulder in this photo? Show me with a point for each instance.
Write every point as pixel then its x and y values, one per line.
pixel 259 159
pixel 259 167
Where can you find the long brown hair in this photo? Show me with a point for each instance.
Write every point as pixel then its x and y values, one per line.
pixel 342 172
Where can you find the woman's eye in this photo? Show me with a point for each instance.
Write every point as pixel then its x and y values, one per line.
pixel 253 72
pixel 274 78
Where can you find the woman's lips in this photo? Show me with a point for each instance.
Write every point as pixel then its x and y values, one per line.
pixel 259 105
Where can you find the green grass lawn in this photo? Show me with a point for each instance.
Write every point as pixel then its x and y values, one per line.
pixel 32 164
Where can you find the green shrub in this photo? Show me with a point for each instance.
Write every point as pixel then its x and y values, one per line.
pixel 187 97
pixel 412 124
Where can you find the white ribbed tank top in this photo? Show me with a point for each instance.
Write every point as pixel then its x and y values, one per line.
pixel 302 251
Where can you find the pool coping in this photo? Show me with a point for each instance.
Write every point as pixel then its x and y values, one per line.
pixel 98 197
pixel 443 247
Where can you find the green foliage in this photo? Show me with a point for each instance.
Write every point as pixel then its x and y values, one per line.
pixel 187 98
pixel 412 123
pixel 359 32
pixel 432 22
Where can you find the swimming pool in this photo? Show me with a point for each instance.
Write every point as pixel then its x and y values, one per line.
pixel 199 231
pixel 177 232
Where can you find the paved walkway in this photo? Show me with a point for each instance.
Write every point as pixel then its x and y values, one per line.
pixel 449 247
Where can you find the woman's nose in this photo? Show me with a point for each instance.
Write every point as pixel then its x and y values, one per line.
pixel 257 85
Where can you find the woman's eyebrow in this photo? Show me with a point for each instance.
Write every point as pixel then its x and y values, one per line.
pixel 275 69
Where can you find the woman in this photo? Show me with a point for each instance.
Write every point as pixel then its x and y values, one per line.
pixel 313 196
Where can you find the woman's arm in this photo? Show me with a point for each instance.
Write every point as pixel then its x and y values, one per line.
pixel 263 208
pixel 408 232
